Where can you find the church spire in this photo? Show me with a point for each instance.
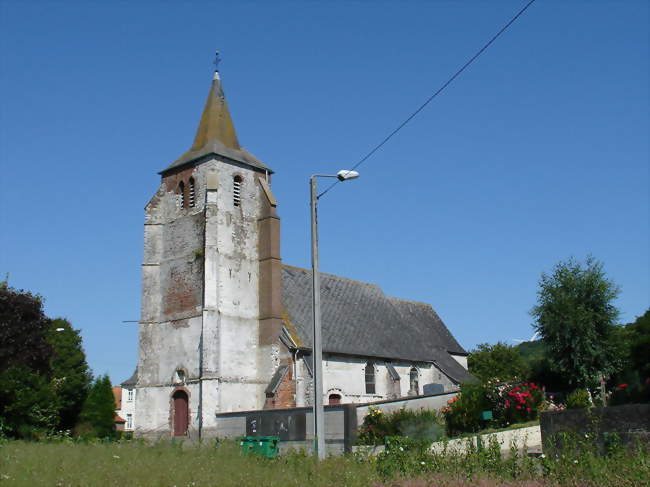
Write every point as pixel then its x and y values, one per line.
pixel 216 132
pixel 216 123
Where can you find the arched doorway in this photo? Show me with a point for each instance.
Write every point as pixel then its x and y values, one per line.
pixel 180 413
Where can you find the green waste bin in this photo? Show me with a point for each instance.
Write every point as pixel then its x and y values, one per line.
pixel 266 446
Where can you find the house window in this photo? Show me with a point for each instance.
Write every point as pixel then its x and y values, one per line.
pixel 370 378
pixel 334 399
pixel 236 190
pixel 181 193
pixel 191 196
pixel 414 381
pixel 129 395
pixel 129 422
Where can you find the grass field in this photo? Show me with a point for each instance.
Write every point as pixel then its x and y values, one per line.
pixel 127 464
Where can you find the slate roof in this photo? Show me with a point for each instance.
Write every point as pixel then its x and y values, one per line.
pixel 276 380
pixel 131 381
pixel 359 319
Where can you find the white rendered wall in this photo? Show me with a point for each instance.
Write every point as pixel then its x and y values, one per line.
pixel 461 359
pixel 345 375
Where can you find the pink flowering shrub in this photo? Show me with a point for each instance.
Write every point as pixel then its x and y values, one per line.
pixel 509 402
pixel 521 402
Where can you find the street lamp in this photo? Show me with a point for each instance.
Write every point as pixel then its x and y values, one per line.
pixel 317 347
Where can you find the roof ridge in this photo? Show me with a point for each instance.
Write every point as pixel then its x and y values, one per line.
pixel 337 276
pixel 412 301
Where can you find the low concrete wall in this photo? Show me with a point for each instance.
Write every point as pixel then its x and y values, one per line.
pixel 523 439
pixel 630 422
pixel 295 426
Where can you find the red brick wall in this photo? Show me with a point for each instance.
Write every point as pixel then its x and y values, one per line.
pixel 285 396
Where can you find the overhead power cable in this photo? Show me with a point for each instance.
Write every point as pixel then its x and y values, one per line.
pixel 430 99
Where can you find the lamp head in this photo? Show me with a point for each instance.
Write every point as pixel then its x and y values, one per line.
pixel 345 174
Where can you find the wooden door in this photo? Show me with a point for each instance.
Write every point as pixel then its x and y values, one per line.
pixel 180 413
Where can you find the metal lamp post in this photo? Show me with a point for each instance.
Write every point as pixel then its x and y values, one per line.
pixel 317 347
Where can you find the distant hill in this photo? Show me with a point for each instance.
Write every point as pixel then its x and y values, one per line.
pixel 531 351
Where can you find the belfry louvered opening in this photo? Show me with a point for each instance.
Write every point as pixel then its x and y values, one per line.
pixel 236 190
pixel 191 195
pixel 181 193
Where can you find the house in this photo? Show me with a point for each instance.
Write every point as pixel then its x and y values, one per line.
pixel 124 395
pixel 225 326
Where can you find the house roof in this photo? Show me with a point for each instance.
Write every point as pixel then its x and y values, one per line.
pixel 359 319
pixel 216 133
pixel 117 395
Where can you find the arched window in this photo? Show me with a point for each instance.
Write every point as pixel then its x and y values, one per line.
pixel 414 380
pixel 192 198
pixel 236 190
pixel 334 399
pixel 370 378
pixel 181 193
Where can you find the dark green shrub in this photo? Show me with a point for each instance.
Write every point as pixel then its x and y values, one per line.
pixel 578 399
pixel 463 415
pixel 419 425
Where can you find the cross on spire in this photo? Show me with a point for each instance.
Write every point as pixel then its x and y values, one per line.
pixel 217 60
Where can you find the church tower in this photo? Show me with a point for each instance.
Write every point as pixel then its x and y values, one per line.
pixel 211 284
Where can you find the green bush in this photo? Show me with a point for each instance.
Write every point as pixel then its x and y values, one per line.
pixel 463 415
pixel 509 403
pixel 418 425
pixel 578 399
pixel 630 394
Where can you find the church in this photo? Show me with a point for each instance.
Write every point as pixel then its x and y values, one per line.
pixel 226 326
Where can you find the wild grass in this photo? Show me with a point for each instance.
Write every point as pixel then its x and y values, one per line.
pixel 165 464
pixel 132 463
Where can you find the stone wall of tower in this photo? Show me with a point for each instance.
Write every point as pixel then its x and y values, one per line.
pixel 172 305
pixel 200 325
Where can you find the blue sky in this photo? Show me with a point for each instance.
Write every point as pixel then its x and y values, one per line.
pixel 538 152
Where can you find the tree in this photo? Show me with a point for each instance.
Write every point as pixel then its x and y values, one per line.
pixel 575 317
pixel 639 333
pixel 28 403
pixel 498 361
pixel 69 371
pixel 632 382
pixel 98 412
pixel 44 376
pixel 23 330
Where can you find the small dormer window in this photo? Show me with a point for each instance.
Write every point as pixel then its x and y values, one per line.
pixel 236 190
pixel 181 194
pixel 191 196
